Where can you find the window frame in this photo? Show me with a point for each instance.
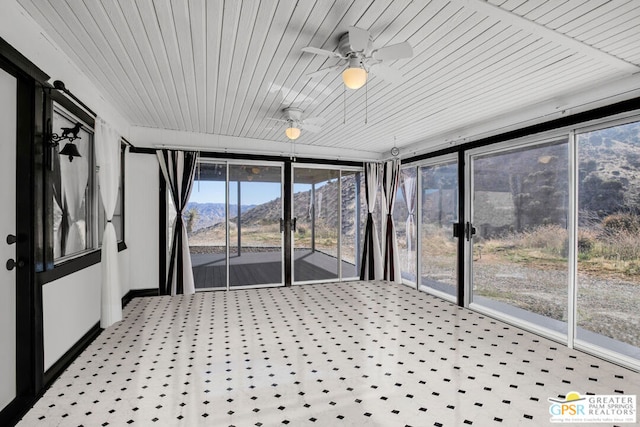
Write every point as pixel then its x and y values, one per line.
pixel 92 193
pixel 52 269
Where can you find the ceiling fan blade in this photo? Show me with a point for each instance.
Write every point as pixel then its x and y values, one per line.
pixel 318 51
pixel 387 73
pixel 394 51
pixel 358 39
pixel 311 128
pixel 322 71
pixel 318 121
pixel 277 120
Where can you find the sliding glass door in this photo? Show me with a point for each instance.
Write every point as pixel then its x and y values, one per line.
pixel 326 211
pixel 233 224
pixel 518 233
pixel 608 241
pixel 255 239
pixel 206 221
pixel 439 212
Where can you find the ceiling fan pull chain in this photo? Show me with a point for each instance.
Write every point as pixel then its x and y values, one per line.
pixel 366 103
pixel 344 105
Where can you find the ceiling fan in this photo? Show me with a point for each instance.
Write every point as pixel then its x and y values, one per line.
pixel 295 122
pixel 356 50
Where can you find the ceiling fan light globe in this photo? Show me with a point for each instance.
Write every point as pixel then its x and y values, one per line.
pixel 354 77
pixel 292 133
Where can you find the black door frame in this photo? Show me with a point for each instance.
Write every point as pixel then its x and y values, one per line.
pixel 29 137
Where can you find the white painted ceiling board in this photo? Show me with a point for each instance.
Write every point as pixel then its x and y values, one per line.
pixel 98 25
pixel 225 68
pixel 46 16
pixel 148 75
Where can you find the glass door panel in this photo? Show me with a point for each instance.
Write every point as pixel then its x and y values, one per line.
pixel 352 223
pixel 439 250
pixel 404 216
pixel 316 202
pixel 255 210
pixel 519 210
pixel 608 284
pixel 205 217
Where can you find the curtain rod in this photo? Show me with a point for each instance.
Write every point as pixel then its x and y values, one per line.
pixel 59 85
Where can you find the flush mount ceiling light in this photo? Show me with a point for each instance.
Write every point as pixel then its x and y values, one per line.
pixel 295 123
pixel 355 76
pixel 292 131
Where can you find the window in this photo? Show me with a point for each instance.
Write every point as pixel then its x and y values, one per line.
pixel 74 195
pixel 78 217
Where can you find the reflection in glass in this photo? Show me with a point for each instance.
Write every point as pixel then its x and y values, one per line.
pixel 439 213
pixel 353 219
pixel 404 215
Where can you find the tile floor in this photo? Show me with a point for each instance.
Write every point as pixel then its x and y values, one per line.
pixel 352 354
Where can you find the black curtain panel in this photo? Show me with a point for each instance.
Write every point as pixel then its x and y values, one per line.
pixel 390 177
pixel 371 266
pixel 178 169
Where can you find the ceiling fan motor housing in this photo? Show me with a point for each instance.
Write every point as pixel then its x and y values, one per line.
pixel 344 47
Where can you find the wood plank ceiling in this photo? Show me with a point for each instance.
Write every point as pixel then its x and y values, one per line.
pixel 224 67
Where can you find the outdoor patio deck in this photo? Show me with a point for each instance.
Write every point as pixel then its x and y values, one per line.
pixel 257 268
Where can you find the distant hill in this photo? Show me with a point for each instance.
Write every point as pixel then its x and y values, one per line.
pixel 210 214
pixel 271 212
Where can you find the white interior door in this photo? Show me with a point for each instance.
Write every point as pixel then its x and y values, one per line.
pixel 8 88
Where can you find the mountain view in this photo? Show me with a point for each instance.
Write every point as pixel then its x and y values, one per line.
pixel 203 215
pixel 260 221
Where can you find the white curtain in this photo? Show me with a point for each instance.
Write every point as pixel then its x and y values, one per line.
pixel 178 169
pixel 408 187
pixel 371 266
pixel 74 176
pixel 390 177
pixel 107 146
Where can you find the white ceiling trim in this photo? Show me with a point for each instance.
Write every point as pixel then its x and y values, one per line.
pixel 164 138
pixel 488 9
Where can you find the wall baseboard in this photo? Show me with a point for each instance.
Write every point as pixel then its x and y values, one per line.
pixel 135 293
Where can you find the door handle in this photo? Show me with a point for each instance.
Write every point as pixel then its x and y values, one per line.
pixel 469 231
pixel 281 225
pixel 11 264
pixel 293 224
pixel 456 229
pixel 11 239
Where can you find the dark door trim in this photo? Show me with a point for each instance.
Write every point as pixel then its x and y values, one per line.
pixel 29 137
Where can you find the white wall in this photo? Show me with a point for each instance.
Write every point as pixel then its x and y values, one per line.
pixel 70 307
pixel 141 219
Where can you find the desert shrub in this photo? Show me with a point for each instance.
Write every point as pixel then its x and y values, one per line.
pixel 587 241
pixel 623 246
pixel 621 223
pixel 552 239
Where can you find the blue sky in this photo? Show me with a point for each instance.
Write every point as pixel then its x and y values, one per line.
pixel 253 193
